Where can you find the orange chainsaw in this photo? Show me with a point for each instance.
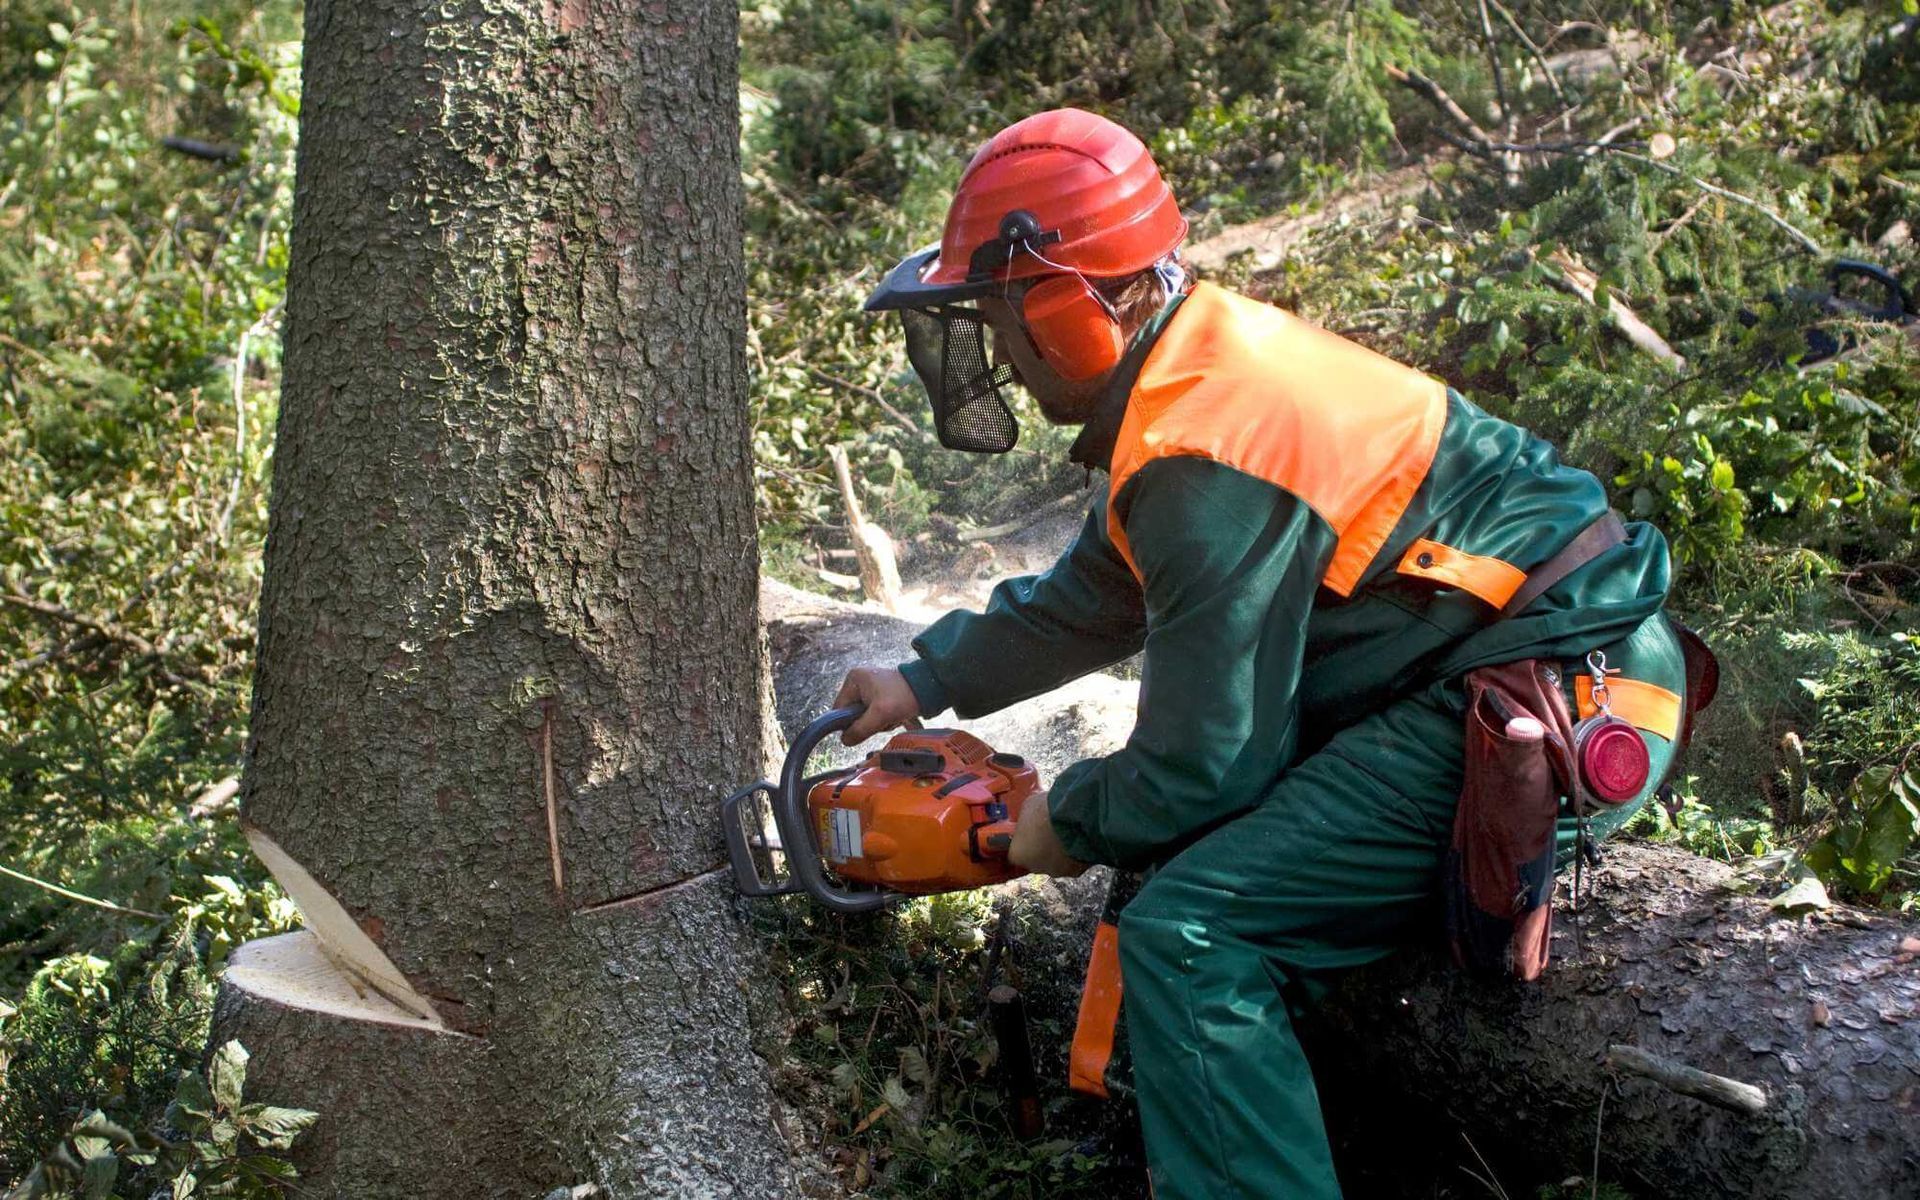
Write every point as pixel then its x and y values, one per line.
pixel 933 810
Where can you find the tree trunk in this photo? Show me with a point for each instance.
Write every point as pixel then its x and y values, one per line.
pixel 1415 1060
pixel 508 642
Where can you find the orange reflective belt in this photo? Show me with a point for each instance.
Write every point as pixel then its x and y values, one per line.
pixel 1099 1015
pixel 1645 706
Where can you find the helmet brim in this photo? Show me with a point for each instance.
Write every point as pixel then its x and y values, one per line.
pixel 905 286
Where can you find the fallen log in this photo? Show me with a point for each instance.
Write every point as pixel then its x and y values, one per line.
pixel 1666 975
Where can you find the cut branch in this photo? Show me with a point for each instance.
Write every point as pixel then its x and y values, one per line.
pixel 216 799
pixel 195 148
pixel 1570 275
pixel 225 525
pixel 899 418
pixel 1539 56
pixel 1689 1081
pixel 879 573
pixel 132 641
pixel 1509 161
pixel 988 533
pixel 1478 142
pixel 1799 235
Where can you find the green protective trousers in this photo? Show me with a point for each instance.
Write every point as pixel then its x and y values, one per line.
pixel 1338 866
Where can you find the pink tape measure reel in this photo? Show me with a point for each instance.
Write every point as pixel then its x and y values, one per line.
pixel 1612 756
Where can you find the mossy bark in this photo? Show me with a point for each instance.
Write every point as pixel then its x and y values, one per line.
pixel 508 644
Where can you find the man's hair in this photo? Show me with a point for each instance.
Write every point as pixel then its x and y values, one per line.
pixel 1137 298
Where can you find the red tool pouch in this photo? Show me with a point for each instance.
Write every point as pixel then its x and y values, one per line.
pixel 1499 873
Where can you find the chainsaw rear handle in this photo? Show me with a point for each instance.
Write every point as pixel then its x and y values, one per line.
pixel 789 801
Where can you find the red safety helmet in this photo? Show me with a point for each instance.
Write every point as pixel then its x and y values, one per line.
pixel 1062 198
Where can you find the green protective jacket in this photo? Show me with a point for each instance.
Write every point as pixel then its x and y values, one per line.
pixel 1296 532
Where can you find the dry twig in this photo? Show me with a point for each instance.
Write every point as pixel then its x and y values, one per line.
pixel 82 898
pixel 1718 1090
pixel 1479 143
pixel 899 418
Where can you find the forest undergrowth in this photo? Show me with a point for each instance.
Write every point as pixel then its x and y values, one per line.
pixel 1696 168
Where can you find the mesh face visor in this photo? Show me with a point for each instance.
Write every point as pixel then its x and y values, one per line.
pixel 948 348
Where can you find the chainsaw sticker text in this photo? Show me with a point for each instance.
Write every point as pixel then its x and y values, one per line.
pixel 841 833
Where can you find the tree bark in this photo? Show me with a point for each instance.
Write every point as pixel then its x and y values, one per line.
pixel 1426 1073
pixel 508 642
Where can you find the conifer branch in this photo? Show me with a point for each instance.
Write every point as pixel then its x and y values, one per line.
pixel 1799 235
pixel 1477 142
pixel 1568 272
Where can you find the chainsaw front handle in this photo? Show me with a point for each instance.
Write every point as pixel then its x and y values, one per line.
pixel 789 800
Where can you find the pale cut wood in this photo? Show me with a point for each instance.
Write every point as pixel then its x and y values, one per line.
pixel 879 570
pixel 1568 272
pixel 338 936
pixel 1689 1081
pixel 294 970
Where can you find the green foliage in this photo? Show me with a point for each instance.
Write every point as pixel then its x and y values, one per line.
pixel 94 1032
pixel 1697 828
pixel 212 1143
pixel 138 379
pixel 894 1049
pixel 82 1041
pixel 1871 845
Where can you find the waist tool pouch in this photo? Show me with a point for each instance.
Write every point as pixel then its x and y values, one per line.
pixel 1499 872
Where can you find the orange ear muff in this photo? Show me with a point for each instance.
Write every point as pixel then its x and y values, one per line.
pixel 1074 330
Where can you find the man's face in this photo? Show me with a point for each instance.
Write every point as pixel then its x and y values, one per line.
pixel 1062 401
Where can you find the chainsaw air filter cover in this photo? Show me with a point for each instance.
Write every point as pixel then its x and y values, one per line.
pixel 931 811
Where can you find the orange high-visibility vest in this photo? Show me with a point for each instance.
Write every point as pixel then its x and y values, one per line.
pixel 1348 431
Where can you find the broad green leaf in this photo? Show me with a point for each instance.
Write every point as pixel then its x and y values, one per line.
pixel 913 1065
pixel 845 1076
pixel 276 1127
pixel 193 1098
pixel 1889 827
pixel 96 1182
pixel 1805 896
pixel 96 1125
pixel 228 1075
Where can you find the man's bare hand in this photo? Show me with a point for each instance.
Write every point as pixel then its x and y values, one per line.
pixel 888 696
pixel 1036 847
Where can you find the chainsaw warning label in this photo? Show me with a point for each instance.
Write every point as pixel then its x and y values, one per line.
pixel 840 831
